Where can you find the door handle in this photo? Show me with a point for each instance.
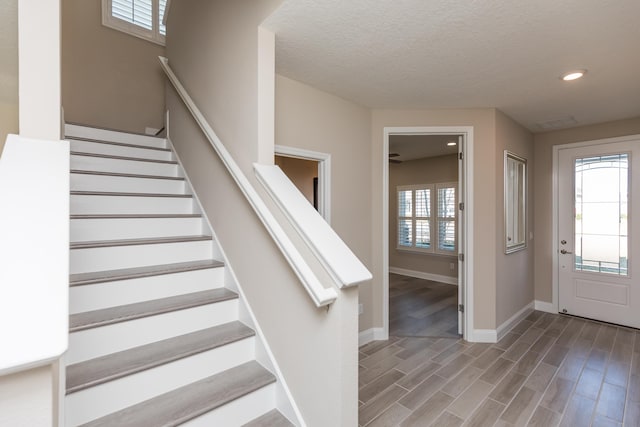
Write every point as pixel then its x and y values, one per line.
pixel 564 251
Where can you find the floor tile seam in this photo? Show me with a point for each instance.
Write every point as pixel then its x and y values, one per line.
pixel 378 361
pixel 629 374
pixel 378 414
pixel 385 407
pixel 375 395
pixel 553 378
pixel 541 395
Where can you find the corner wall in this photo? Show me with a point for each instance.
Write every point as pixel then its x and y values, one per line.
pixel 314 120
pixel 514 272
pixel 543 147
pixel 109 78
pixel 8 122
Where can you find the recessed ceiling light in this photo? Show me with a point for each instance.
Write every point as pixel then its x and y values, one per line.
pixel 451 144
pixel 573 75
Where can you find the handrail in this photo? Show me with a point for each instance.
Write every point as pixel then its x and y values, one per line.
pixel 335 256
pixel 34 252
pixel 320 295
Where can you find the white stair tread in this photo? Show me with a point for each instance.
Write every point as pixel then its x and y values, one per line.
pixel 126 175
pixel 137 242
pixel 117 365
pixel 188 402
pixel 271 419
pixel 138 272
pixel 121 144
pixel 119 194
pixel 123 313
pixel 133 159
pixel 133 216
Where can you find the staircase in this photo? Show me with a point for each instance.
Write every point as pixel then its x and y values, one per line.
pixel 155 338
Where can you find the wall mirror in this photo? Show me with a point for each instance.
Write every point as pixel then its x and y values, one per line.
pixel 515 202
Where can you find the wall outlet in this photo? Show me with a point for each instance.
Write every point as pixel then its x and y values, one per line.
pixel 452 266
pixel 360 309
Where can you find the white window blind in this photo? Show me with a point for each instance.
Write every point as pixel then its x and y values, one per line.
pixel 137 12
pixel 427 218
pixel 140 18
pixel 446 218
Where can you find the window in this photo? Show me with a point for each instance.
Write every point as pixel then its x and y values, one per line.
pixel 140 18
pixel 427 218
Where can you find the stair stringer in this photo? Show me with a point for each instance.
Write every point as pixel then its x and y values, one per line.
pixel 285 402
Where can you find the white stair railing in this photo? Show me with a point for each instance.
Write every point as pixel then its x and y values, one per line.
pixel 320 295
pixel 34 252
pixel 335 256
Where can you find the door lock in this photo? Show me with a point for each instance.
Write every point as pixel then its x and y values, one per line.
pixel 563 242
pixel 564 252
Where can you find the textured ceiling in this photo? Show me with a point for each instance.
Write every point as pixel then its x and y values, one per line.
pixel 443 54
pixel 9 51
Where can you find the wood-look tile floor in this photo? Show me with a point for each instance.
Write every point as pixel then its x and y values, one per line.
pixel 422 308
pixel 549 370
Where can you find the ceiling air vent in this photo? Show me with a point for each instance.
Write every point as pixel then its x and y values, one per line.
pixel 561 123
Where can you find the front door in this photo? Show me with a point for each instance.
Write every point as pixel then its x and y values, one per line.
pixel 598 245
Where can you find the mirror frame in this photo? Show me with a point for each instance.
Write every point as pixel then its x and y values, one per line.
pixel 515 208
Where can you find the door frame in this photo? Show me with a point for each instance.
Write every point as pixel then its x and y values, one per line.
pixel 465 283
pixel 555 206
pixel 324 174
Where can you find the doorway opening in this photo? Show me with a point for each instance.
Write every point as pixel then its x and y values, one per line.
pixel 426 220
pixel 310 172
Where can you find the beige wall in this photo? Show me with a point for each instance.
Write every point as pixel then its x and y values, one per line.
pixel 314 120
pixel 301 172
pixel 514 272
pixel 109 78
pixel 431 170
pixel 26 398
pixel 485 175
pixel 214 52
pixel 543 144
pixel 8 122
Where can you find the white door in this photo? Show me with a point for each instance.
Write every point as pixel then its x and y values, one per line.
pixel 598 245
pixel 460 229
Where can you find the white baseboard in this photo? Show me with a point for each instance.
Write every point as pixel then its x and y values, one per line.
pixel 547 307
pixel 484 335
pixel 427 276
pixel 373 334
pixel 514 320
pixel 494 335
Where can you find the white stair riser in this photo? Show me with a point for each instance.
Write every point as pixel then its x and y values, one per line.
pixel 96 342
pixel 114 136
pixel 117 257
pixel 119 150
pixel 92 403
pixel 239 411
pixel 87 182
pixel 102 164
pixel 121 292
pixel 83 230
pixel 81 204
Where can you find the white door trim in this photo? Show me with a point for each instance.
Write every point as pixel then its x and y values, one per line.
pixel 467 249
pixel 555 280
pixel 324 174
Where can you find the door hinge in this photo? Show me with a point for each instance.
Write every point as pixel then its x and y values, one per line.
pixel 461 206
pixel 461 308
pixel 460 257
pixel 461 156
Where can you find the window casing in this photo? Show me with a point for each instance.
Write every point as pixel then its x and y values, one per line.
pixel 139 18
pixel 427 216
